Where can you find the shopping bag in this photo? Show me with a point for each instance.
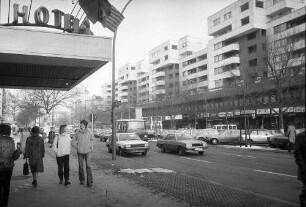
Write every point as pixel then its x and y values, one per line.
pixel 26 168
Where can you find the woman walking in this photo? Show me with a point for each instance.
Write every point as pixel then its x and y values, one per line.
pixel 7 156
pixel 62 145
pixel 35 151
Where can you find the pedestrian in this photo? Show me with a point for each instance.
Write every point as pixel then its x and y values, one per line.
pixel 291 133
pixel 83 141
pixel 8 155
pixel 35 151
pixel 51 135
pixel 299 155
pixel 62 145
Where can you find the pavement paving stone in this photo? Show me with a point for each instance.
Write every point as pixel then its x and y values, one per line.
pixel 108 189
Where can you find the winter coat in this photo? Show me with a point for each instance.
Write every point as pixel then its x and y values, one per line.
pixel 23 140
pixel 7 153
pixel 291 133
pixel 299 155
pixel 83 141
pixel 62 144
pixel 35 151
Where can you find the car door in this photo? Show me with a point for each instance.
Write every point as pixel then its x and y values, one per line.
pixel 172 144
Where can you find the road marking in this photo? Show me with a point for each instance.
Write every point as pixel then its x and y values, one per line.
pixel 238 155
pixel 262 171
pixel 195 159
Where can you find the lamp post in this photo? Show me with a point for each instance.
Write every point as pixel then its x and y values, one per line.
pixel 242 84
pixel 113 89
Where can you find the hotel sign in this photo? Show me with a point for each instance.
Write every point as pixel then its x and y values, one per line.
pixel 263 111
pixel 42 17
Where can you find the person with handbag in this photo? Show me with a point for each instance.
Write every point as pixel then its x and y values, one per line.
pixel 35 151
pixel 8 155
pixel 62 146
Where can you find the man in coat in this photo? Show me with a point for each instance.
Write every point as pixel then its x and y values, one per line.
pixel 299 155
pixel 291 135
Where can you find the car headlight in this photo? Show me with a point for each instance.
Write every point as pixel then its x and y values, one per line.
pixel 188 145
pixel 145 135
pixel 127 146
pixel 146 144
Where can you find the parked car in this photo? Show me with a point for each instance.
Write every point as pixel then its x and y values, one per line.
pixel 182 143
pixel 128 143
pixel 258 135
pixel 230 135
pixel 278 140
pixel 105 135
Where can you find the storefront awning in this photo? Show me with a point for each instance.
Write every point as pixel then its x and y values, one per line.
pixel 37 59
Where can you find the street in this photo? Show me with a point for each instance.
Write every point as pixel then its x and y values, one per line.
pixel 266 175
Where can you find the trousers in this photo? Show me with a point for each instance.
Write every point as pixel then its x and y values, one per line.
pixel 5 182
pixel 63 167
pixel 87 158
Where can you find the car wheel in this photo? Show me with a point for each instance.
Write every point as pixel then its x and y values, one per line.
pixel 181 151
pixel 201 153
pixel 214 141
pixel 144 153
pixel 162 149
pixel 110 150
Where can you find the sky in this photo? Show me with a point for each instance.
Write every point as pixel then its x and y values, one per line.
pixel 147 24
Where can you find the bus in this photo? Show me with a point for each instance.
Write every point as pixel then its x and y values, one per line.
pixel 136 126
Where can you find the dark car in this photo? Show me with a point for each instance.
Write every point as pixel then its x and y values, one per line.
pixel 278 139
pixel 181 143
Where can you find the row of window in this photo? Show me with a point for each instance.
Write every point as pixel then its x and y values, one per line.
pixel 226 68
pixel 290 24
pixel 194 70
pixel 195 80
pixel 194 60
pixel 159 52
pixel 244 7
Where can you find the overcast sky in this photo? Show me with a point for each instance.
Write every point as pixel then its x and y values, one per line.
pixel 147 24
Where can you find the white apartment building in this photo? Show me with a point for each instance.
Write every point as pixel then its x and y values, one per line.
pixel 106 93
pixel 239 32
pixel 127 87
pixel 164 69
pixel 143 82
pixel 286 31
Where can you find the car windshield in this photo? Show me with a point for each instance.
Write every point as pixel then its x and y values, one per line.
pixel 124 137
pixel 136 125
pixel 184 136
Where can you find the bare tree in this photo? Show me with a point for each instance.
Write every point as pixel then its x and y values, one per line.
pixel 286 67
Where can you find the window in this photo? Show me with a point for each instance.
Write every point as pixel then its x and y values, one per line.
pixel 202 68
pixel 170 76
pixel 218 58
pixel 218 83
pixel 218 45
pixel 227 15
pixel 166 48
pixel 252 49
pixel 253 62
pixel 280 28
pixel 202 57
pixel 166 57
pixel 245 21
pixel 263 32
pixel 251 36
pixel 171 85
pixel 244 7
pixel 276 1
pixel 176 75
pixel 174 47
pixel 217 21
pixel 264 47
pixel 203 78
pixel 259 4
pixel 132 68
pixel 218 70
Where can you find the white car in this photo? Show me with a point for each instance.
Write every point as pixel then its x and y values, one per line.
pixel 261 135
pixel 128 143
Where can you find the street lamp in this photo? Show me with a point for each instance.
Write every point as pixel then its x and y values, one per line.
pixel 113 89
pixel 242 84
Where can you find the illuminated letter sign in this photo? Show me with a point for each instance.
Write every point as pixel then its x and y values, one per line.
pixel 23 14
pixel 41 11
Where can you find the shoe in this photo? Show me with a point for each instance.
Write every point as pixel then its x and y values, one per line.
pixel 67 182
pixel 82 182
pixel 89 184
pixel 34 183
pixel 61 182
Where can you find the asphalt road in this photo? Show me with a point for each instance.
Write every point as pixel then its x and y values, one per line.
pixel 264 173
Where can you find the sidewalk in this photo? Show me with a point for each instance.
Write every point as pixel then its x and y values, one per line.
pixel 107 190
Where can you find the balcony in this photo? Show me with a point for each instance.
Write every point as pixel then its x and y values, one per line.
pixel 124 87
pixel 124 93
pixel 228 48
pixel 227 61
pixel 282 7
pixel 159 74
pixel 159 83
pixel 160 91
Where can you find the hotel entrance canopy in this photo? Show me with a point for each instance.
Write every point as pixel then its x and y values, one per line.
pixel 40 59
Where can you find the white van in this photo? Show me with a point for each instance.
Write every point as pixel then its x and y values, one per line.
pixel 225 126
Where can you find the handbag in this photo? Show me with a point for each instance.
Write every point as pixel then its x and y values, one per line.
pixel 26 168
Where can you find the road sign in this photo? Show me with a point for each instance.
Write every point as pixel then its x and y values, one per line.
pixel 92 116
